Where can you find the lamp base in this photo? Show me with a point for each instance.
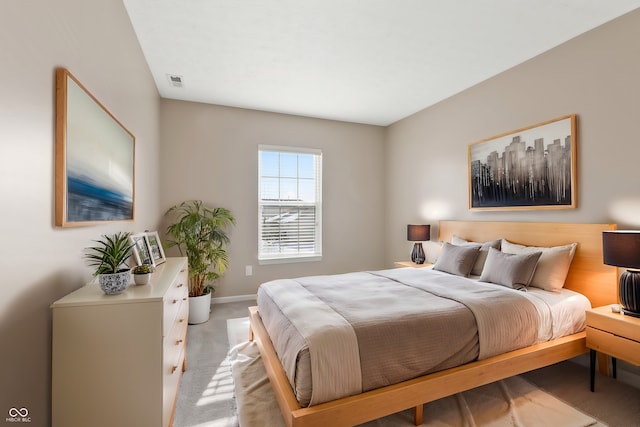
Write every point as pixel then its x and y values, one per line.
pixel 630 313
pixel 629 290
pixel 417 255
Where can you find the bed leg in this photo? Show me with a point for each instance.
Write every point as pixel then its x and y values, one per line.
pixel 418 412
pixel 250 333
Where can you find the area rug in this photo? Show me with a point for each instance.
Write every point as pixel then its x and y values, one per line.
pixel 510 402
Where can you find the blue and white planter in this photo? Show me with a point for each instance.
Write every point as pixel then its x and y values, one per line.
pixel 112 284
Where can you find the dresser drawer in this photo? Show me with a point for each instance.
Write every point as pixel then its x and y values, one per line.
pixel 613 345
pixel 174 342
pixel 173 360
pixel 619 324
pixel 170 385
pixel 176 296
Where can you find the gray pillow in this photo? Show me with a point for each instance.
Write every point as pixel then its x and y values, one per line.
pixel 553 265
pixel 457 260
pixel 510 270
pixel 484 251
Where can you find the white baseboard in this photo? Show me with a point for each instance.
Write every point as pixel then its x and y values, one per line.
pixel 237 298
pixel 629 377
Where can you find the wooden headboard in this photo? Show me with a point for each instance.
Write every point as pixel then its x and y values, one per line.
pixel 587 275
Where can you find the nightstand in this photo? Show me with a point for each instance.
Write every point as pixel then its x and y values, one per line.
pixel 613 334
pixel 411 264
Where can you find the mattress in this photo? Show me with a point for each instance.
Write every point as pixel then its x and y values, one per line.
pixel 340 335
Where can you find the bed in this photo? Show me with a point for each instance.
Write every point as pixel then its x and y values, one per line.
pixel 587 276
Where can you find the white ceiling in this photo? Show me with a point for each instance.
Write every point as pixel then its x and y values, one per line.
pixel 363 61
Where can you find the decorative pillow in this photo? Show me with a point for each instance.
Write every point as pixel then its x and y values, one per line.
pixel 431 250
pixel 553 265
pixel 510 270
pixel 482 255
pixel 456 260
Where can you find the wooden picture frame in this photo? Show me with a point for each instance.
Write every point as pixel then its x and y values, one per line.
pixel 95 158
pixel 526 169
pixel 155 247
pixel 141 249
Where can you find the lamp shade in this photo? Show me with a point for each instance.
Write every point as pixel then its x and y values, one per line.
pixel 621 248
pixel 418 233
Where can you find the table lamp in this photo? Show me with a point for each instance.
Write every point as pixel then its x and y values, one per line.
pixel 622 249
pixel 418 234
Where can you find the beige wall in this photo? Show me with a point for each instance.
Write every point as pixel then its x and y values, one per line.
pixel 41 263
pixel 211 153
pixel 595 76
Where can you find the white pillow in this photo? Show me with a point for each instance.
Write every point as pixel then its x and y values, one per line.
pixel 431 250
pixel 482 255
pixel 553 265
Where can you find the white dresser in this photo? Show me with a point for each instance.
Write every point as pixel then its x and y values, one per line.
pixel 117 360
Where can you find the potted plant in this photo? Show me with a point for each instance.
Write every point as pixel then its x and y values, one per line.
pixel 110 257
pixel 142 274
pixel 199 233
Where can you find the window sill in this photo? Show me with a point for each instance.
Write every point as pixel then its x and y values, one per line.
pixel 288 260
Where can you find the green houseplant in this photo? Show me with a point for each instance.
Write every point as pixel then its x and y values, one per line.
pixel 200 233
pixel 109 257
pixel 143 269
pixel 142 273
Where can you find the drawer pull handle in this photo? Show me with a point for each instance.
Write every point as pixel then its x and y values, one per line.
pixel 180 285
pixel 183 270
pixel 181 320
pixel 175 301
pixel 178 342
pixel 173 369
pixel 184 299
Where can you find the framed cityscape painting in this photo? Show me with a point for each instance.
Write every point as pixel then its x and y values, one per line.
pixel 529 168
pixel 94 159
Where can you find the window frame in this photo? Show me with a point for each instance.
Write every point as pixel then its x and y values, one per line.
pixel 269 258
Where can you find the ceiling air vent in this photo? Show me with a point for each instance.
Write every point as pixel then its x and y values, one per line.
pixel 176 81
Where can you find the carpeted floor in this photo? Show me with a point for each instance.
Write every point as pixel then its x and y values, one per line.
pixel 206 393
pixel 507 403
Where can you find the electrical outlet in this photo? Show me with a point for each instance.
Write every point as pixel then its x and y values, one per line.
pixel 248 270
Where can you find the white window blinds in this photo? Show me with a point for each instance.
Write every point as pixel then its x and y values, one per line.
pixel 289 203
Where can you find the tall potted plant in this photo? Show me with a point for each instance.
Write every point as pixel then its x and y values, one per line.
pixel 110 257
pixel 200 233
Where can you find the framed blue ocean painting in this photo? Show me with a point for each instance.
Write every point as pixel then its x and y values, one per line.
pixel 95 157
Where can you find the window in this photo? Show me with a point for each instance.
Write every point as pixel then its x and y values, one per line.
pixel 289 203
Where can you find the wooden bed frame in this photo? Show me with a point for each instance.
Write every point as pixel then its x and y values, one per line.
pixel 588 275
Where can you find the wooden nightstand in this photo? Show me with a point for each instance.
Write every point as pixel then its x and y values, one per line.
pixel 614 334
pixel 411 264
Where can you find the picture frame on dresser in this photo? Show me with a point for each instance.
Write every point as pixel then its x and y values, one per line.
pixel 155 246
pixel 141 250
pixel 94 159
pixel 527 169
